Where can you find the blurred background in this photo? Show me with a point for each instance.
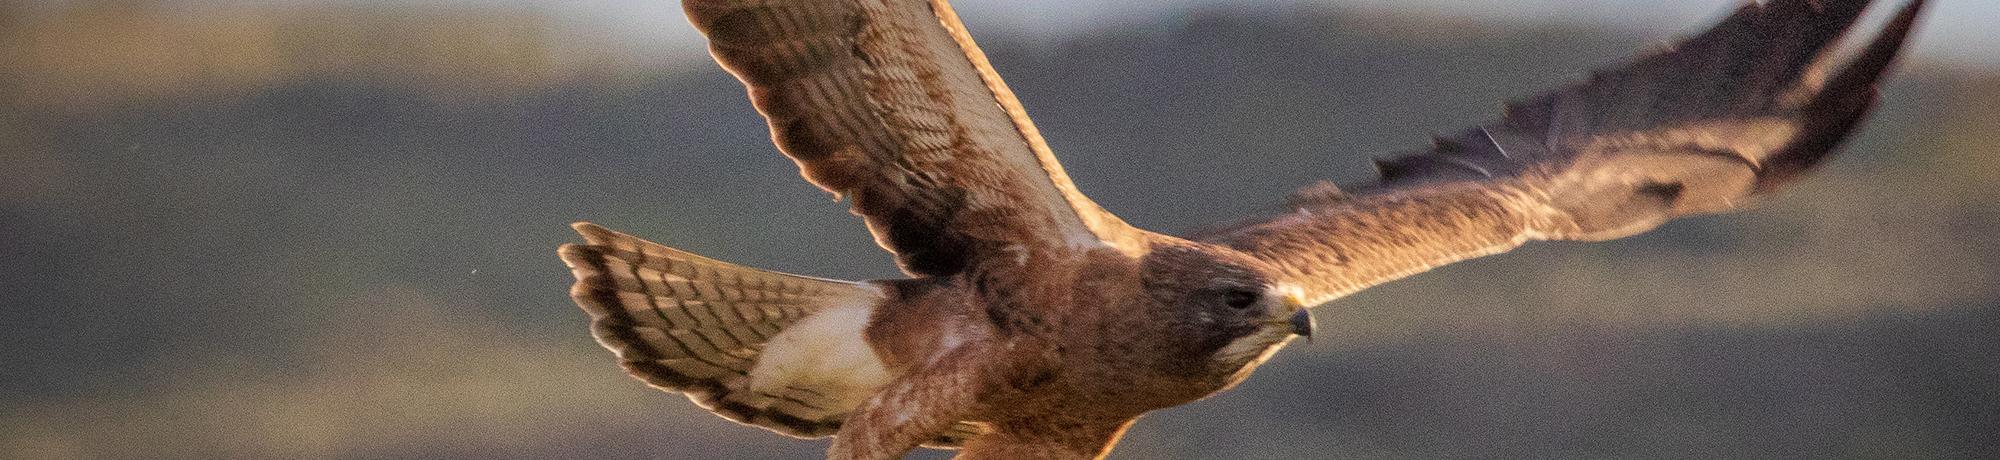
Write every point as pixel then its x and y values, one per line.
pixel 304 229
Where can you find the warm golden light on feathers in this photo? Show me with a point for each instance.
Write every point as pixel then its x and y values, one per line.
pixel 1040 326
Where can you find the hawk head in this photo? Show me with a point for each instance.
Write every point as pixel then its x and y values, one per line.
pixel 1222 310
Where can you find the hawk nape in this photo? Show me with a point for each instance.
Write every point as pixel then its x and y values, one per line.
pixel 1037 325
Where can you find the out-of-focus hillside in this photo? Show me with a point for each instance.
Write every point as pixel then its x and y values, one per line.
pixel 329 232
pixel 99 52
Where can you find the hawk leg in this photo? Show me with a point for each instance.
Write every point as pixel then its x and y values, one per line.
pixel 912 409
pixel 1047 440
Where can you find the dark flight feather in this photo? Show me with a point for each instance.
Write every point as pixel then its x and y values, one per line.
pixel 1719 118
pixel 1708 125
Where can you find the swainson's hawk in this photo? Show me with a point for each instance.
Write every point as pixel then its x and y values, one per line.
pixel 1037 325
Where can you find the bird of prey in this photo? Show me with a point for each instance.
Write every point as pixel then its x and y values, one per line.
pixel 1035 324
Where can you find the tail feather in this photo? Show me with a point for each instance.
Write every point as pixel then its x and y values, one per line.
pixel 694 325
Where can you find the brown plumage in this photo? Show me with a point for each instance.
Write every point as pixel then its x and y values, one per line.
pixel 1037 325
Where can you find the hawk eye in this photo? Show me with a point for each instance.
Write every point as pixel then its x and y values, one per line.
pixel 1239 298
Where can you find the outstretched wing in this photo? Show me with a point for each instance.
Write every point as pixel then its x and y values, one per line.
pixel 1705 126
pixel 889 103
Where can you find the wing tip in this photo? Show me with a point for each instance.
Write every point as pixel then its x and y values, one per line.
pixel 1835 110
pixel 1882 53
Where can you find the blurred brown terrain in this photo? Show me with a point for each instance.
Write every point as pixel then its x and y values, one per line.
pixel 306 231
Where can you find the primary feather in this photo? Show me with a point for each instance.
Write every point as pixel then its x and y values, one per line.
pixel 1707 125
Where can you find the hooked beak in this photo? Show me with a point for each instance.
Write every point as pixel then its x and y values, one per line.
pixel 1302 324
pixel 1302 320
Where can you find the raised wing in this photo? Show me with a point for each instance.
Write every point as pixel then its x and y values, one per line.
pixel 1705 126
pixel 889 103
